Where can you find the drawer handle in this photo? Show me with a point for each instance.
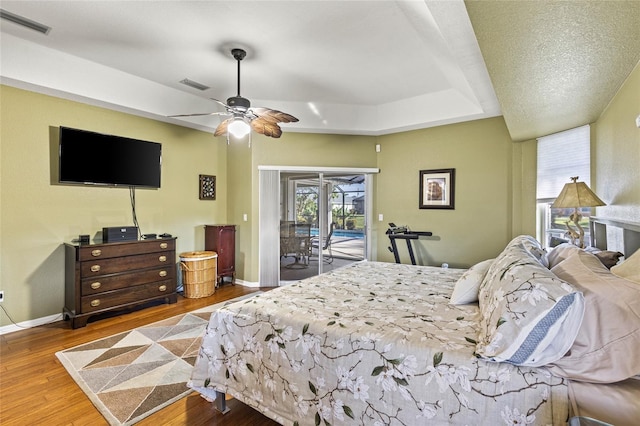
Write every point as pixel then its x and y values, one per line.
pixel 96 252
pixel 96 285
pixel 163 273
pixel 95 302
pixel 95 268
pixel 162 258
pixel 162 288
pixel 163 245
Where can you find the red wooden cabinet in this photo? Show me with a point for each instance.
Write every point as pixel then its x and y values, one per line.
pixel 222 240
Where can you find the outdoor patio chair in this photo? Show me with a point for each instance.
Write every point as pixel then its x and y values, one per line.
pixel 315 244
pixel 295 242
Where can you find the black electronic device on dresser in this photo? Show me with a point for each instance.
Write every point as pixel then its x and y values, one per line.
pixel 119 233
pixel 111 276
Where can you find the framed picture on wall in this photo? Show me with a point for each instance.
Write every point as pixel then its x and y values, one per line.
pixel 207 187
pixel 437 189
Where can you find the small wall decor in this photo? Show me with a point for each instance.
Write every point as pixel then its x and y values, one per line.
pixel 437 189
pixel 207 187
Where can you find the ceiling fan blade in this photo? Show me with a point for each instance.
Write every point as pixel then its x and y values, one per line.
pixel 198 115
pixel 222 127
pixel 206 113
pixel 220 102
pixel 273 115
pixel 266 127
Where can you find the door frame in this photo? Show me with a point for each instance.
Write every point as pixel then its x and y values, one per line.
pixel 270 212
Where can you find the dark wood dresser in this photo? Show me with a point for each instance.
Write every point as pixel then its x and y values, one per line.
pixel 222 240
pixel 111 276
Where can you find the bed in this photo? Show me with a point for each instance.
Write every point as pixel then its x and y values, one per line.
pixel 393 344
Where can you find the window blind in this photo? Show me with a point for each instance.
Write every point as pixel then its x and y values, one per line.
pixel 561 156
pixel 269 223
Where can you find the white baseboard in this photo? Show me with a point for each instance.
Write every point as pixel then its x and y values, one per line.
pixel 58 317
pixel 31 323
pixel 247 283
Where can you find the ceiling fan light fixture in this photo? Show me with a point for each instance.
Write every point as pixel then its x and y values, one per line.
pixel 243 119
pixel 239 128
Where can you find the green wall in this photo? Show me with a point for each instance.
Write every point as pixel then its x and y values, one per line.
pixel 480 151
pixel 36 216
pixel 494 192
pixel 616 153
pixel 480 225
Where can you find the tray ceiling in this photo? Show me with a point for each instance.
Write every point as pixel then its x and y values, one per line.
pixel 349 67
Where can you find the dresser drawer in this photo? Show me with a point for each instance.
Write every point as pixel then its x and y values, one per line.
pixel 97 267
pixel 104 283
pixel 105 251
pixel 110 299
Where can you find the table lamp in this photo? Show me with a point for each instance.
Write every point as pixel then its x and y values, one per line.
pixel 576 194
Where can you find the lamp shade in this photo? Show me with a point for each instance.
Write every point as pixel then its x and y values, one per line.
pixel 239 128
pixel 577 194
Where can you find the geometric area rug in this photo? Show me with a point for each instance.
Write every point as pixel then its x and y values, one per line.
pixel 130 375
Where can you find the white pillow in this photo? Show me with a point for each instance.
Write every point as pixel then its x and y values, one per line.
pixel 560 253
pixel 529 316
pixel 466 289
pixel 606 347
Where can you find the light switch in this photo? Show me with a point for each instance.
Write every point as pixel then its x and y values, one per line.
pixel 244 217
pixel 380 217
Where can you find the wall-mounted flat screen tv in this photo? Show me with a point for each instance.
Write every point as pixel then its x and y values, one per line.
pixel 98 159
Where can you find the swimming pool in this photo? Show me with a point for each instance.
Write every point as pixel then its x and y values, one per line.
pixel 341 233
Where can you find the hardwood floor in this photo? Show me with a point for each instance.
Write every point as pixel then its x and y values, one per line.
pixel 35 389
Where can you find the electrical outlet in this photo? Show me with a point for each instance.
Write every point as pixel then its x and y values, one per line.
pixel 1 296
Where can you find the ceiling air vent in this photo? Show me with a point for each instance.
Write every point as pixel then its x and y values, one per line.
pixel 194 84
pixel 27 23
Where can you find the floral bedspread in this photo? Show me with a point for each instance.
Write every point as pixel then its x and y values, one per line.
pixel 372 343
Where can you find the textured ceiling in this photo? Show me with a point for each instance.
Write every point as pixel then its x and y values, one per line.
pixel 352 67
pixel 556 65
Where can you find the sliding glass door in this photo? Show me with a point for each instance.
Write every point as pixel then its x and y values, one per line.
pixel 333 207
pixel 323 222
pixel 299 218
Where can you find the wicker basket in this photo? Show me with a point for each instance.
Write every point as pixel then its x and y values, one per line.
pixel 199 273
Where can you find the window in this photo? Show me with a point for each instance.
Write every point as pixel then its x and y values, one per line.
pixel 561 156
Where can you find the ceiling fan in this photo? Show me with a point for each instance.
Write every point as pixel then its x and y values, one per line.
pixel 243 118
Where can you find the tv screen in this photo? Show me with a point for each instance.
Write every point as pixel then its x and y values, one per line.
pixel 94 158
